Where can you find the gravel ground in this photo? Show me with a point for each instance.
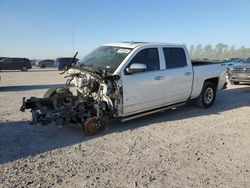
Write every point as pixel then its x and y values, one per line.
pixel 185 147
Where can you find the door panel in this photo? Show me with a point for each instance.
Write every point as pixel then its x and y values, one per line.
pixel 142 91
pixel 178 75
pixel 177 84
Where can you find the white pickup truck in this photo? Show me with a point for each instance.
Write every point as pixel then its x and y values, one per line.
pixel 127 80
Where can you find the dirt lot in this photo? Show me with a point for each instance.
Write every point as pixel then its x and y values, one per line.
pixel 186 147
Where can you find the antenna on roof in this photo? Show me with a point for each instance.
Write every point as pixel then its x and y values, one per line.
pixel 73 42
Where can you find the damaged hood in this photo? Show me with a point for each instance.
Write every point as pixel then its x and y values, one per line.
pixel 92 71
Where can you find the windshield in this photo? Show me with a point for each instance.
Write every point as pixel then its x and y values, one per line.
pixel 106 57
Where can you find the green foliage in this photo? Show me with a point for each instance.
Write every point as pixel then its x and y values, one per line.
pixel 219 52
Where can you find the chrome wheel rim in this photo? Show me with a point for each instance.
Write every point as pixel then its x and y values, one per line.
pixel 208 95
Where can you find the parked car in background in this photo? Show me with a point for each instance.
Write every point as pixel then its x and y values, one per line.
pixel 240 73
pixel 247 60
pixel 22 64
pixel 2 58
pixel 62 62
pixel 233 61
pixel 45 63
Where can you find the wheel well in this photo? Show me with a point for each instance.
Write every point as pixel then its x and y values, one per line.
pixel 215 81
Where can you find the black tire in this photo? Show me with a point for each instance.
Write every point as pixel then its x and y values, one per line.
pixel 24 68
pixel 234 83
pixel 207 96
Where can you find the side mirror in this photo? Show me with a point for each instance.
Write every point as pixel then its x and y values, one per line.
pixel 135 68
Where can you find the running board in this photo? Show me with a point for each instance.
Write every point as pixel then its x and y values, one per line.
pixel 162 109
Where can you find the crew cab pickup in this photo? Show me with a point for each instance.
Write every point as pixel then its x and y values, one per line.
pixel 127 80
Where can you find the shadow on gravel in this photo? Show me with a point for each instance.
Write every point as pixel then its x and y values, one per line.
pixel 30 70
pixel 19 139
pixel 44 70
pixel 28 87
pixel 226 100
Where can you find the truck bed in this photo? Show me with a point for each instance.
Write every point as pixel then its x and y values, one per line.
pixel 209 70
pixel 204 62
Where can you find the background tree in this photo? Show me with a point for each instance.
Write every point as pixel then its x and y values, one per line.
pixel 219 52
pixel 192 50
pixel 198 51
pixel 220 49
pixel 208 51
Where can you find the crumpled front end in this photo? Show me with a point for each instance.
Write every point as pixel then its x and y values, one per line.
pixel 97 97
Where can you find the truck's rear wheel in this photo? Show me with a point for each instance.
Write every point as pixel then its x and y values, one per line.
pixel 207 96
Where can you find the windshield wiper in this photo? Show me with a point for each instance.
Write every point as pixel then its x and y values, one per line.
pixel 67 67
pixel 96 68
pixel 74 58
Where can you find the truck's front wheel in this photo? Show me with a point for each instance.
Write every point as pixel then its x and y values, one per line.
pixel 92 126
pixel 207 96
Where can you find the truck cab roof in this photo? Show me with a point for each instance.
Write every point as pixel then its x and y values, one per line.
pixel 133 45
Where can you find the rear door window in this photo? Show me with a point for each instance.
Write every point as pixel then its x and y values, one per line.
pixel 7 60
pixel 149 57
pixel 17 60
pixel 174 57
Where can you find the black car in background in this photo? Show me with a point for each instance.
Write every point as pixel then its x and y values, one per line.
pixel 22 64
pixel 45 63
pixel 1 58
pixel 62 62
pixel 240 73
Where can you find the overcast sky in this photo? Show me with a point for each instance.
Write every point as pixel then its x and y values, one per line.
pixel 44 28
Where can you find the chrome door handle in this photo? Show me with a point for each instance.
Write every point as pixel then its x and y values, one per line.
pixel 159 78
pixel 188 73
